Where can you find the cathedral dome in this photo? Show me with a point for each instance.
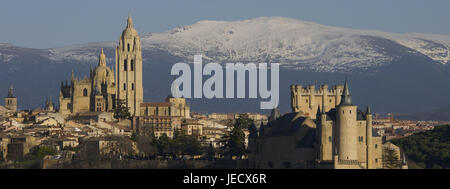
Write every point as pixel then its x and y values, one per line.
pixel 129 30
pixel 102 74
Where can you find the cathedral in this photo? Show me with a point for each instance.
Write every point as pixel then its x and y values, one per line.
pixel 104 88
pixel 94 94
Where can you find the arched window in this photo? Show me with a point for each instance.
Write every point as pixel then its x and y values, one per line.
pixel 124 86
pixel 132 65
pixel 132 86
pixel 125 66
pixel 85 92
pixel 128 47
pixel 68 106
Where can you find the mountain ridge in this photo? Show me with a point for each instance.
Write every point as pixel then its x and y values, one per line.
pixel 405 66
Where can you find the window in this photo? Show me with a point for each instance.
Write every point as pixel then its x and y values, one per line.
pixel 350 112
pixel 128 47
pixel 85 92
pixel 360 138
pixel 125 66
pixel 132 86
pixel 329 138
pixel 124 86
pixel 132 65
pixel 376 146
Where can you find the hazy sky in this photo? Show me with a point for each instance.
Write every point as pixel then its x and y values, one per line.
pixel 54 23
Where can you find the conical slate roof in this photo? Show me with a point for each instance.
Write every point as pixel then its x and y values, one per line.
pixel 346 98
pixel 10 92
pixel 274 115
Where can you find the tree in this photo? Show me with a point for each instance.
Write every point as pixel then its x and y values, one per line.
pixel 428 149
pixel 163 144
pixel 121 111
pixel 234 143
pixel 243 122
pixel 210 152
pixel 133 136
pixel 391 159
pixel 1 155
pixel 185 144
pixel 146 145
pixel 25 120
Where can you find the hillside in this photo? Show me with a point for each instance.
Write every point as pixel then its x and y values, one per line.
pixel 430 149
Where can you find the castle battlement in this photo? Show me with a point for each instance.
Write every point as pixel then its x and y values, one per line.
pixel 322 89
pixel 308 99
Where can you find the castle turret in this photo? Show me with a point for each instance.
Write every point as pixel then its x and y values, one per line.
pixel 274 115
pixel 318 112
pixel 346 125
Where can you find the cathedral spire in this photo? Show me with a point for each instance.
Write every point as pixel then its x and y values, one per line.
pixel 129 22
pixel 102 59
pixel 10 92
pixel 346 98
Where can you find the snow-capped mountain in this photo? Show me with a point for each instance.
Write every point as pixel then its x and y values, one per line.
pixel 293 43
pixel 404 67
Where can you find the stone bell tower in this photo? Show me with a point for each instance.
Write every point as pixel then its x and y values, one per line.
pixel 11 100
pixel 129 69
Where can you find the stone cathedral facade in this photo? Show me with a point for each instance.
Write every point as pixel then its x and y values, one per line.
pixel 94 94
pixel 104 87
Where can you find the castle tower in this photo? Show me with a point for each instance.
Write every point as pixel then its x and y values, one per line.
pixel 347 130
pixel 129 69
pixel 11 100
pixel 369 143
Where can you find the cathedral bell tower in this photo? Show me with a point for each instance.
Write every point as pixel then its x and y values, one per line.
pixel 129 69
pixel 11 100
